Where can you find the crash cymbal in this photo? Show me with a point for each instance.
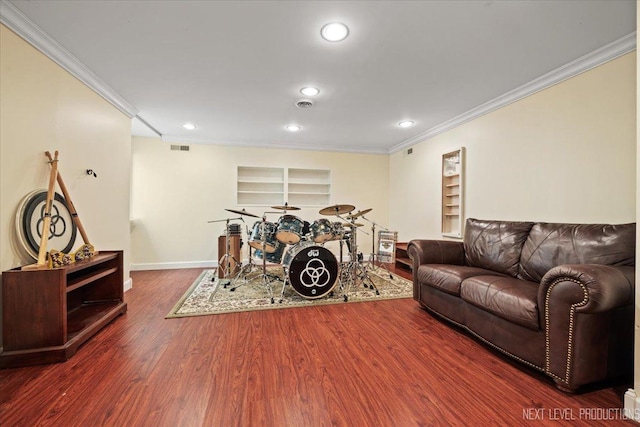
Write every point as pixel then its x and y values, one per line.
pixel 360 213
pixel 352 224
pixel 242 212
pixel 337 210
pixel 286 207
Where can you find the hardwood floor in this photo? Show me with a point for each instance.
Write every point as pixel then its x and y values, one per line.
pixel 383 363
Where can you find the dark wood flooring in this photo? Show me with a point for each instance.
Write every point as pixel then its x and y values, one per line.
pixel 383 363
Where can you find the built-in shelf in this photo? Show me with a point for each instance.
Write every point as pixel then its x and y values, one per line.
pixel 264 186
pixel 452 193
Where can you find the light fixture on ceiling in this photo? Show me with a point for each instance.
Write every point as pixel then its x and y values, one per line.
pixel 334 32
pixel 189 126
pixel 309 91
pixel 406 123
pixel 293 128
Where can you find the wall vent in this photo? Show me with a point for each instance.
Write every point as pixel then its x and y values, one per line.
pixel 175 147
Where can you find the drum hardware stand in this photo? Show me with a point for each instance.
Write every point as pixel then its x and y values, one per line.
pixel 372 258
pixel 354 270
pixel 225 260
pixel 265 277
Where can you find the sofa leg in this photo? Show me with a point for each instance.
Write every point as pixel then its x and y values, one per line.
pixel 563 387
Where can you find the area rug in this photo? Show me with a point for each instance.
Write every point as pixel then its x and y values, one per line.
pixel 208 295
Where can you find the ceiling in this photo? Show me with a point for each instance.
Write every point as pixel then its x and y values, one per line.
pixel 235 68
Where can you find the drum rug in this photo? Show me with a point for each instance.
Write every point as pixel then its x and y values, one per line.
pixel 208 295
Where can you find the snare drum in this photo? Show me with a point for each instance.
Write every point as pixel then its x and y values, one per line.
pixel 337 231
pixel 290 229
pixel 274 257
pixel 321 230
pixel 255 239
pixel 311 270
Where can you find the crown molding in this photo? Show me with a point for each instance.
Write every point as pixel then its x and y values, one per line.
pixel 591 60
pixel 15 20
pixel 181 140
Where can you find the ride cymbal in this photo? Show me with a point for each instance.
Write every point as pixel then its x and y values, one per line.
pixel 242 212
pixel 286 207
pixel 336 209
pixel 360 213
pixel 352 224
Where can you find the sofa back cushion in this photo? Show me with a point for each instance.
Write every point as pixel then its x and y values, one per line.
pixel 495 245
pixel 550 245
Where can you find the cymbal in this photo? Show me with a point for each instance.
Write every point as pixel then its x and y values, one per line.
pixel 286 207
pixel 351 224
pixel 360 213
pixel 337 209
pixel 242 212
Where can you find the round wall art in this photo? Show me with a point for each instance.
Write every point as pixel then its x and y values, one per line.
pixel 30 220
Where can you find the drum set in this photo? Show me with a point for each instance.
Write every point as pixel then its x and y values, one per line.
pixel 300 248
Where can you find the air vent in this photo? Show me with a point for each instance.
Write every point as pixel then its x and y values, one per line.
pixel 304 103
pixel 175 147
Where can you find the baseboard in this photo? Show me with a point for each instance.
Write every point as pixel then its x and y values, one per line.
pixel 632 405
pixel 128 284
pixel 173 265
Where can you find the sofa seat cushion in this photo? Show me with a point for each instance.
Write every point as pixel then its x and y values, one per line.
pixel 448 277
pixel 512 299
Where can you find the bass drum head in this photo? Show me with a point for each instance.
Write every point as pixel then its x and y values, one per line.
pixel 30 220
pixel 311 270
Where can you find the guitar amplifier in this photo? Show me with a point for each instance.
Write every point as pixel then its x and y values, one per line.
pixel 387 246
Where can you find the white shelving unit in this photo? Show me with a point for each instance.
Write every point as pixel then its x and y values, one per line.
pixel 453 193
pixel 265 186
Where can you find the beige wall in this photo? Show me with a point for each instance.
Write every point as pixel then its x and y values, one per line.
pixel 566 154
pixel 175 193
pixel 42 107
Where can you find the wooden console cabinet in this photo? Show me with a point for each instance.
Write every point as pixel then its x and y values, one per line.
pixel 47 314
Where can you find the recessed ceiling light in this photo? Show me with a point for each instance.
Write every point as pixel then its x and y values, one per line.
pixel 406 123
pixel 293 128
pixel 309 91
pixel 189 126
pixel 334 32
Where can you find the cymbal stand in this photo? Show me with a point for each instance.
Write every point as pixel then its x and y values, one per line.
pixel 245 270
pixel 372 258
pixel 225 260
pixel 265 277
pixel 354 270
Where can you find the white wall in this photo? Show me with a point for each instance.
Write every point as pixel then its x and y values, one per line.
pixel 175 193
pixel 565 154
pixel 42 108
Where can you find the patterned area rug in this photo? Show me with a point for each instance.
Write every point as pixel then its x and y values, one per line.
pixel 208 295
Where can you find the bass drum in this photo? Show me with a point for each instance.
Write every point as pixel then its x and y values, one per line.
pixel 311 270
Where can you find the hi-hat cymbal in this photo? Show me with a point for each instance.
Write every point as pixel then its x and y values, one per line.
pixel 337 210
pixel 286 207
pixel 360 213
pixel 242 212
pixel 352 224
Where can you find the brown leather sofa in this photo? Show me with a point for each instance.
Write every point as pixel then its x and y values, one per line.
pixel 556 297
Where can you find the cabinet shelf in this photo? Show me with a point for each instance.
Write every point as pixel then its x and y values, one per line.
pixel 452 206
pixel 79 282
pixel 48 313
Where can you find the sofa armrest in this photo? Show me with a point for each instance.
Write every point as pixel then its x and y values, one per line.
pixel 422 251
pixel 591 288
pixel 586 312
